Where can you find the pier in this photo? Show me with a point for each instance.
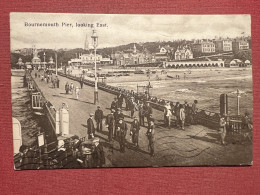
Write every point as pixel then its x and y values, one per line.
pixel 197 145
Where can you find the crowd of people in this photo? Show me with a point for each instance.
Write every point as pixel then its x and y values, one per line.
pixel 72 153
pixel 91 153
pixel 141 113
pixel 48 77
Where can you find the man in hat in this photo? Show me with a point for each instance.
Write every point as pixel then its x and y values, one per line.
pixel 194 111
pixel 98 153
pixel 98 118
pixel 135 128
pixel 148 112
pixel 150 136
pixel 122 130
pixel 90 125
pixel 120 100
pixel 110 124
pixel 67 87
pixel 132 107
pixel 114 104
pixel 117 115
pixel 141 113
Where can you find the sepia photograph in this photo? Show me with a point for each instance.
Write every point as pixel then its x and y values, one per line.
pixel 121 90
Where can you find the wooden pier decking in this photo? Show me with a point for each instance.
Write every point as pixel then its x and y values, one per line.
pixel 197 145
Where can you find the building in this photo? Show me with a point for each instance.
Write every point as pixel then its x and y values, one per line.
pixel 204 47
pixel 89 59
pixel 164 53
pixel 193 64
pixel 223 45
pixel 240 44
pixel 183 53
pixel 132 56
pixel 20 63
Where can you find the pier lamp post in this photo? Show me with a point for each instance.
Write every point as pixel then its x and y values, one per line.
pixel 44 65
pixel 56 68
pixel 149 86
pixel 95 44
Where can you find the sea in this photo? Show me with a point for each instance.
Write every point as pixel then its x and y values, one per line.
pixel 21 110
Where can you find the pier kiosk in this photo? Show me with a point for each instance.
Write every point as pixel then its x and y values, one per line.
pixel 17 135
pixel 62 120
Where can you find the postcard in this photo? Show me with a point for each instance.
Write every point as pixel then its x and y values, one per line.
pixel 118 90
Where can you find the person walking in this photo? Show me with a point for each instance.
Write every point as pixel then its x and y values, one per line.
pixel 117 116
pixel 182 116
pixel 151 137
pixel 167 115
pixel 110 124
pixel 134 131
pixel 77 92
pixel 81 82
pixel 132 107
pixel 71 88
pixel 194 111
pixel 141 113
pixel 148 112
pixel 90 126
pixel 99 118
pixel 122 130
pixel 114 104
pixel 67 88
pixel 120 100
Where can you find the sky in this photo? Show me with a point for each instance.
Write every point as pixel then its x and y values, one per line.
pixel 119 29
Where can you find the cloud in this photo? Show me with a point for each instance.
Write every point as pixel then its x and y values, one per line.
pixel 121 29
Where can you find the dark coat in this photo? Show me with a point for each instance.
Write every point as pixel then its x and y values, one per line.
pixel 135 127
pixel 99 115
pixel 110 119
pixel 98 156
pixel 90 124
pixel 117 116
pixel 123 129
pixel 148 111
pixel 114 105
pixel 141 111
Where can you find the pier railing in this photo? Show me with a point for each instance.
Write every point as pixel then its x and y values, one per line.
pixel 204 117
pixel 48 109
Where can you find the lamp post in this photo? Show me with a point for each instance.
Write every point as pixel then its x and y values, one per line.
pixel 56 63
pixel 44 66
pixel 149 86
pixel 95 44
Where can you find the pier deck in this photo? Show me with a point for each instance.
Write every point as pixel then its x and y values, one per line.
pixel 197 145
